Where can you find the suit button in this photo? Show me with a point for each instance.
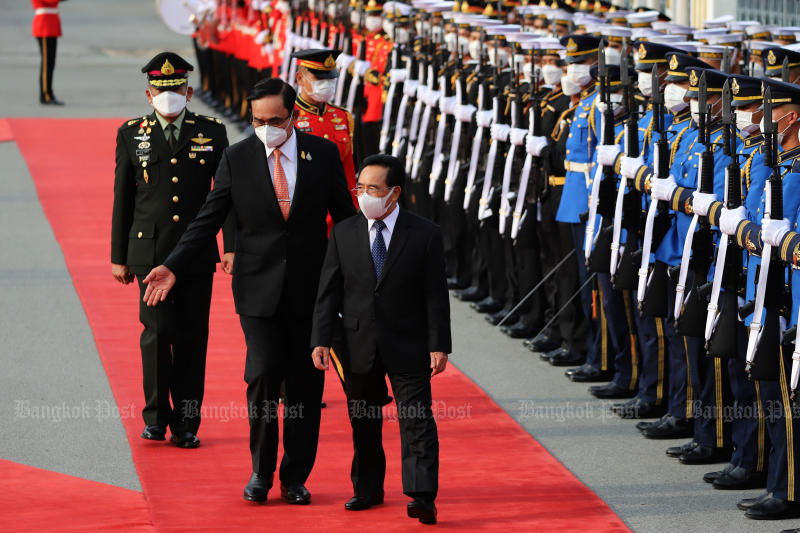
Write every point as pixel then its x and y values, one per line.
pixel 144 164
pixel 202 161
pixel 174 179
pixel 173 161
pixel 139 235
pixel 175 199
pixel 325 136
pixel 176 218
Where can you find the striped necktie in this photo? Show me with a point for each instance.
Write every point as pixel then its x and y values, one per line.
pixel 281 187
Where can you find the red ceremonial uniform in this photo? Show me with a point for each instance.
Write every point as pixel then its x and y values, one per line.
pixel 332 123
pixel 46 22
pixel 379 46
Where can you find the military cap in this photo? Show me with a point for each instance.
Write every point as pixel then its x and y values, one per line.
pixel 745 89
pixel 718 22
pixel 678 62
pixel 613 74
pixel 616 33
pixel 739 26
pixel 758 33
pixel 167 70
pixel 397 11
pixel 715 79
pixel 499 32
pixel 781 92
pixel 773 60
pixel 642 19
pixel 320 61
pixel 726 39
pixel 787 35
pixel 374 7
pixel 649 53
pixel 471 6
pixel 580 47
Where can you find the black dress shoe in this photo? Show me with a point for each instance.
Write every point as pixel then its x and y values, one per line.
pixel 154 432
pixel 185 440
pixel 583 368
pixel 677 451
pixel 545 356
pixel 257 488
pixel 425 511
pixel 52 101
pixel 610 391
pixel 636 408
pixel 703 455
pixel 644 424
pixel 739 478
pixel 495 318
pixel 709 477
pixel 518 330
pixel 323 405
pixel 454 284
pixel 362 503
pixel 774 509
pixel 471 294
pixel 747 503
pixel 295 494
pixel 542 343
pixel 563 357
pixel 487 305
pixel 590 374
pixel 670 427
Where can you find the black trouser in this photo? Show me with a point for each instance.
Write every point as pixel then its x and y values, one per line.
pixel 47 49
pixel 419 439
pixel 173 346
pixel 278 351
pixel 529 268
pixel 458 241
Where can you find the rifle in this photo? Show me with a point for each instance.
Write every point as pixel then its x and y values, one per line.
pixel 445 92
pixel 690 313
pixel 487 192
pixel 484 104
pixel 627 212
pixel 722 320
pixel 763 343
pixel 601 201
pixel 651 291
pixel 516 121
pixel 453 165
pixel 431 93
pixel 531 169
pixel 396 78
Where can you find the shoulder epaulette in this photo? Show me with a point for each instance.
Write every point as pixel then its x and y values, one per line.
pixel 133 122
pixel 210 119
pixel 340 108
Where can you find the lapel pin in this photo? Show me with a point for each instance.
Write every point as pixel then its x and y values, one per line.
pixel 302 155
pixel 308 156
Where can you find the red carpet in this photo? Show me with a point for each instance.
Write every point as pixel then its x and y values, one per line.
pixel 493 474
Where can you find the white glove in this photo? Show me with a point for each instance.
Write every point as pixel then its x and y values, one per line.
pixel 701 202
pixel 607 154
pixel 663 188
pixel 630 166
pixel 314 43
pixel 343 61
pixel 431 98
pixel 448 104
pixel 268 49
pixel 464 112
pixel 773 231
pixel 484 118
pixel 422 92
pixel 517 136
pixel 730 218
pixel 261 37
pixel 410 88
pixel 398 75
pixel 534 145
pixel 361 67
pixel 500 132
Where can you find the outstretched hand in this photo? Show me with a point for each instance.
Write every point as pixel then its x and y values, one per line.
pixel 159 282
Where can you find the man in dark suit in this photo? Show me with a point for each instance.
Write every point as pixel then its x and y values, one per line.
pixel 384 273
pixel 165 162
pixel 278 185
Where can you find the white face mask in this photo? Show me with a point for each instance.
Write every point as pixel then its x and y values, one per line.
pixel 388 27
pixel 373 23
pixel 551 74
pixel 541 32
pixel 502 54
pixel 374 207
pixel 463 46
pixel 612 56
pixel 355 18
pixel 271 136
pixel 331 10
pixel 579 74
pixel 744 122
pixel 323 90
pixel 757 70
pixel 646 83
pixel 169 103
pixel 437 34
pixel 475 49
pixel 673 98
pixel 568 86
pixel 780 134
pixel 450 40
pixel 694 108
pixel 402 35
pixel 283 7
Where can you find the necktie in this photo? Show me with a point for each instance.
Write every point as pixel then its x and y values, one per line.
pixel 171 135
pixel 281 187
pixel 378 247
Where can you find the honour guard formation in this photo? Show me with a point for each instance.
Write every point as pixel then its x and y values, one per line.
pixel 619 192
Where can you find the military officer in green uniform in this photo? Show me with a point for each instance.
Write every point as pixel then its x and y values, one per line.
pixel 165 163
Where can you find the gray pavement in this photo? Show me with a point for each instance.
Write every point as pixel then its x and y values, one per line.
pixel 97 75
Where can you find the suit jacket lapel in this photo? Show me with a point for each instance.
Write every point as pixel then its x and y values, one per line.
pixel 396 244
pixel 303 172
pixel 263 177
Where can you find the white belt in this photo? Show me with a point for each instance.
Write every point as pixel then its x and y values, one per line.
pixel 577 167
pixel 46 11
